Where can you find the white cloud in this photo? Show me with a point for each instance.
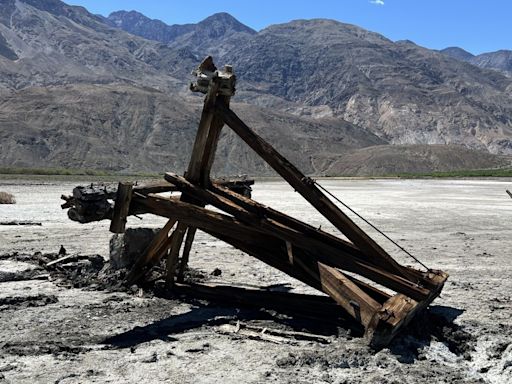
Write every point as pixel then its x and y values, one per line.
pixel 377 2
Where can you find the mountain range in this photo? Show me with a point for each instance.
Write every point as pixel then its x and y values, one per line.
pixel 83 90
pixel 500 60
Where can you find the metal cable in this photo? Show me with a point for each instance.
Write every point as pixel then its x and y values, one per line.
pixel 373 226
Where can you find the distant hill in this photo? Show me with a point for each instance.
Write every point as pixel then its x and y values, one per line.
pixel 500 60
pixel 219 25
pixel 458 53
pixel 80 90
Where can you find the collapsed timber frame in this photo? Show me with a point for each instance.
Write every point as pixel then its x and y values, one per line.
pixel 316 258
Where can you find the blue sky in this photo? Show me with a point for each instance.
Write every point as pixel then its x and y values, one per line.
pixel 475 25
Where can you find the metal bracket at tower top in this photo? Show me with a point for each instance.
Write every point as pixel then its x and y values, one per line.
pixel 207 71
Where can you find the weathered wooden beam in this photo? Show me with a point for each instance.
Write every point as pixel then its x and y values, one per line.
pixel 259 215
pixel 121 207
pixel 160 186
pixel 208 220
pixel 334 256
pixel 201 160
pixel 355 301
pixel 309 191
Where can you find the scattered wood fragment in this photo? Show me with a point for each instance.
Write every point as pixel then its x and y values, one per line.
pixel 272 334
pixel 16 222
pixel 254 334
pixel 61 260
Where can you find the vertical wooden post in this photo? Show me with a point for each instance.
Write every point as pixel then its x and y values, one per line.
pixel 172 258
pixel 203 152
pixel 186 252
pixel 198 171
pixel 121 207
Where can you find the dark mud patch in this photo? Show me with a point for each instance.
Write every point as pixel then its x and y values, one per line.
pixel 435 324
pixel 44 348
pixel 17 302
pixel 33 274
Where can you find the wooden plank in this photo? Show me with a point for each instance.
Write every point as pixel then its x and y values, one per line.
pixel 154 187
pixel 121 207
pixel 309 191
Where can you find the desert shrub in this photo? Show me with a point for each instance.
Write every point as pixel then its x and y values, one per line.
pixel 7 198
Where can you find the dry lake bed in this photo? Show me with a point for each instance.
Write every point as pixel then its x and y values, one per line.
pixel 55 333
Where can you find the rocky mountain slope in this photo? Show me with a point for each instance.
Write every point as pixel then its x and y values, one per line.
pixel 401 92
pixel 57 44
pixel 124 128
pixel 77 90
pixel 499 60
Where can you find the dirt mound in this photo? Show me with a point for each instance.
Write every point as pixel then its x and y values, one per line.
pixel 403 159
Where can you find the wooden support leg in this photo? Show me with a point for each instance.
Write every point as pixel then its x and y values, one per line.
pixel 198 171
pixel 186 252
pixel 172 259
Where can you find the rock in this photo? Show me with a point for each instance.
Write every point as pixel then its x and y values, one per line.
pixel 126 247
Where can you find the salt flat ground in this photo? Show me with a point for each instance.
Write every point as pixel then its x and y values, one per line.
pixel 461 226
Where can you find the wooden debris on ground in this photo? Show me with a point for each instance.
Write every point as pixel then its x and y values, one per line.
pixel 272 335
pixel 349 272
